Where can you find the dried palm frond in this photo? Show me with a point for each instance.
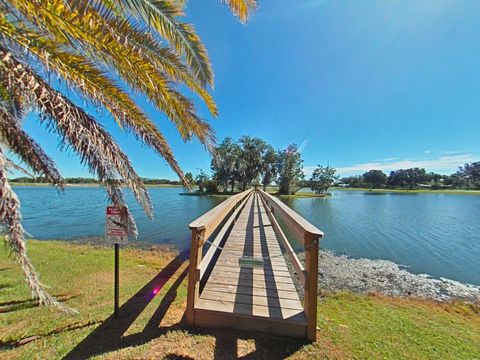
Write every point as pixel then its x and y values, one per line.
pixel 18 141
pixel 14 238
pixel 9 164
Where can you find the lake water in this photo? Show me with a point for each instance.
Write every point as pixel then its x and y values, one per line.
pixel 436 234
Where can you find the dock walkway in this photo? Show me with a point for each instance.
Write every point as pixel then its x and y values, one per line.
pixel 242 281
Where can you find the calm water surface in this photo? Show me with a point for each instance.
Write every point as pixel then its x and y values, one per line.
pixel 436 234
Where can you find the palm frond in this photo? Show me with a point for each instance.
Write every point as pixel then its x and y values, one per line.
pixel 13 104
pixel 15 239
pixel 241 8
pixel 18 141
pixel 162 16
pixel 10 164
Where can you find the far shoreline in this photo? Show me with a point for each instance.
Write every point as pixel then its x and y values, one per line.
pixel 413 191
pixel 296 195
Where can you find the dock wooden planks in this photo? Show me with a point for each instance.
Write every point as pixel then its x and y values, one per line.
pixel 255 296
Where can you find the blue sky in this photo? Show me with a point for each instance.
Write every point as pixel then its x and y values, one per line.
pixel 361 84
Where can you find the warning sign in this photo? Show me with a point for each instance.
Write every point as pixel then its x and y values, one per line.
pixel 115 230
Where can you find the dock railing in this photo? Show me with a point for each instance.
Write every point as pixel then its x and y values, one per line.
pixel 202 229
pixel 308 235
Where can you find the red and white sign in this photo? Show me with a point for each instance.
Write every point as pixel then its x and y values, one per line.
pixel 116 230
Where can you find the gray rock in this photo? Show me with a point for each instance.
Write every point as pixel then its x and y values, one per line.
pixel 340 273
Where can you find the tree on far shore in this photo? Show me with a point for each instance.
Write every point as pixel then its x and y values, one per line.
pixel 252 156
pixel 471 174
pixel 375 178
pixel 269 168
pixel 189 177
pixel 225 162
pixel 290 170
pixel 201 180
pixel 322 178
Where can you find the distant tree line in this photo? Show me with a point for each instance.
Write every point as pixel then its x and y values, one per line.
pixel 148 181
pixel 82 180
pixel 43 180
pixel 467 177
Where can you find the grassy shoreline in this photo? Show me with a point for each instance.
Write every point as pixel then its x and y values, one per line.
pixel 349 325
pixel 300 195
pixel 414 191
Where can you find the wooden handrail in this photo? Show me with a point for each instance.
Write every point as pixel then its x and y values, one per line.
pixel 294 221
pixel 309 235
pixel 300 270
pixel 202 228
pixel 210 220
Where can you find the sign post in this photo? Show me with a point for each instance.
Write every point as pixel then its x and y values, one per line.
pixel 116 281
pixel 116 232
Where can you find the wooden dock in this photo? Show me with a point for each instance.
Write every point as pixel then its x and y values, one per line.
pixel 242 280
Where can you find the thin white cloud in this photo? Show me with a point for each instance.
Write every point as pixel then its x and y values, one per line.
pixel 386 159
pixel 427 151
pixel 452 152
pixel 303 145
pixel 442 164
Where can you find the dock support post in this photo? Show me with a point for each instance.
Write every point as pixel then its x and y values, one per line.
pixel 194 273
pixel 310 297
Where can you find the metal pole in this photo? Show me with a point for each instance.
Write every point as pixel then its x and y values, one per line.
pixel 116 280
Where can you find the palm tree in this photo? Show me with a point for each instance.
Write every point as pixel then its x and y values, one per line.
pixel 101 51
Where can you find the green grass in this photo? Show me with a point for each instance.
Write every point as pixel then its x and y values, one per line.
pixel 386 327
pixel 350 325
pixel 414 191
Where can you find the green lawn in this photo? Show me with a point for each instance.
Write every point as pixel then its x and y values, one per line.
pixel 150 326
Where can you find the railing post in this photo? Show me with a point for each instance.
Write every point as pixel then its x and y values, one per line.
pixel 194 273
pixel 310 295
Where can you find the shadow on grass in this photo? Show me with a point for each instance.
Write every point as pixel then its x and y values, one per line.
pixel 177 357
pixel 16 305
pixel 26 340
pixel 266 346
pixel 9 306
pixel 108 336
